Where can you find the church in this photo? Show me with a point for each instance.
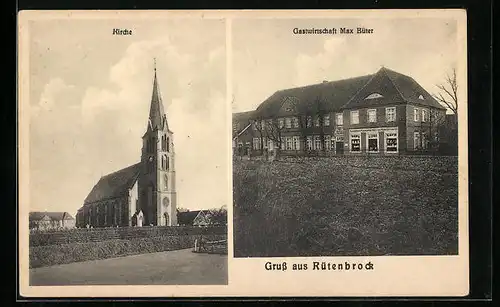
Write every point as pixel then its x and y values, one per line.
pixel 141 194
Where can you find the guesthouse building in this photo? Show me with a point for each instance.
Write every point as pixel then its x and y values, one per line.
pixel 383 113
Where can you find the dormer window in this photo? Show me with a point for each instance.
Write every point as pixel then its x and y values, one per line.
pixel 374 96
pixel 421 97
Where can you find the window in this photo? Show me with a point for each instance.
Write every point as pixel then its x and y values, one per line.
pixel 316 121
pixel 391 141
pixel 372 141
pixel 167 163
pixel 309 121
pixel 256 143
pixel 372 115
pixel 168 144
pixel 295 143
pixel 424 141
pixel 328 142
pixel 164 143
pixel 354 117
pixel 327 120
pixel 254 125
pixel 288 122
pixel 340 119
pixel 282 145
pixel 355 142
pixel 309 143
pixel 288 141
pixel 317 142
pixel 390 114
pixel 165 181
pixel 280 123
pixel 295 122
pixel 416 115
pixel 374 96
pixel 416 140
pixel 421 97
pixel 424 115
pixel 270 144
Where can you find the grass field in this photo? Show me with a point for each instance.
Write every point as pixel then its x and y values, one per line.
pixel 346 206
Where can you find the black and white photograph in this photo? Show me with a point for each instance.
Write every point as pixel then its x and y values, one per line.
pixel 124 116
pixel 345 136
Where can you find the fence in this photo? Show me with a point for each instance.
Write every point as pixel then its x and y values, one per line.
pixel 210 247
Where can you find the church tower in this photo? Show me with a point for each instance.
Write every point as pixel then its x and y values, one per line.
pixel 157 196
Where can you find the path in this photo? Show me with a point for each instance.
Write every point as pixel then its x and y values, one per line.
pixel 181 267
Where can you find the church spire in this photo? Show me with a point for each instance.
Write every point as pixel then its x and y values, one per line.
pixel 156 112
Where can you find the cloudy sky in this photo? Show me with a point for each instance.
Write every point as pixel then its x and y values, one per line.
pixel 268 56
pixel 90 94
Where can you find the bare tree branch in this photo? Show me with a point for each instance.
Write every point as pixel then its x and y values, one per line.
pixel 450 88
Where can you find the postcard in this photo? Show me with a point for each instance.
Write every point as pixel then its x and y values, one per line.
pixel 243 153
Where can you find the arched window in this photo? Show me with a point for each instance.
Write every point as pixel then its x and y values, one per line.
pixel 168 144
pixel 167 162
pixel 165 181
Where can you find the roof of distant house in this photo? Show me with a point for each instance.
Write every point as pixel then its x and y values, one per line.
pixel 54 216
pixel 115 184
pixel 187 217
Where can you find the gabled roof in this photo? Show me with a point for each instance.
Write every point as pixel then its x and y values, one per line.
pixel 187 217
pixel 395 88
pixel 329 96
pixel 115 184
pixel 54 216
pixel 242 116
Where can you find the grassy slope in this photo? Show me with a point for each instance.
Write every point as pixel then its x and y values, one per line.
pixel 335 207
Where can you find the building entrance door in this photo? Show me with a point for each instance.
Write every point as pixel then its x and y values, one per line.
pixel 339 148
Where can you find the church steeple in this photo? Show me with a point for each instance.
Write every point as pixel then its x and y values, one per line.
pixel 156 112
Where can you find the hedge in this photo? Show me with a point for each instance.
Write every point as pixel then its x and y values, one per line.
pixel 120 233
pixel 346 206
pixel 75 252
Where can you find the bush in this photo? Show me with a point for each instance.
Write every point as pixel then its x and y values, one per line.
pixel 75 252
pixel 124 233
pixel 403 205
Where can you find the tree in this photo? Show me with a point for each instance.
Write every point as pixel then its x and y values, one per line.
pixel 274 128
pixel 259 125
pixel 217 216
pixel 448 94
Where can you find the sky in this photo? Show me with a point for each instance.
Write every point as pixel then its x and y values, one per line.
pixel 90 94
pixel 267 56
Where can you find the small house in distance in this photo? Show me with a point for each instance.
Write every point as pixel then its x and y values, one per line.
pixel 193 218
pixel 50 220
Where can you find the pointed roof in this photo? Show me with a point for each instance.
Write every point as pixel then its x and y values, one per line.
pixel 156 112
pixel 115 184
pixel 390 87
